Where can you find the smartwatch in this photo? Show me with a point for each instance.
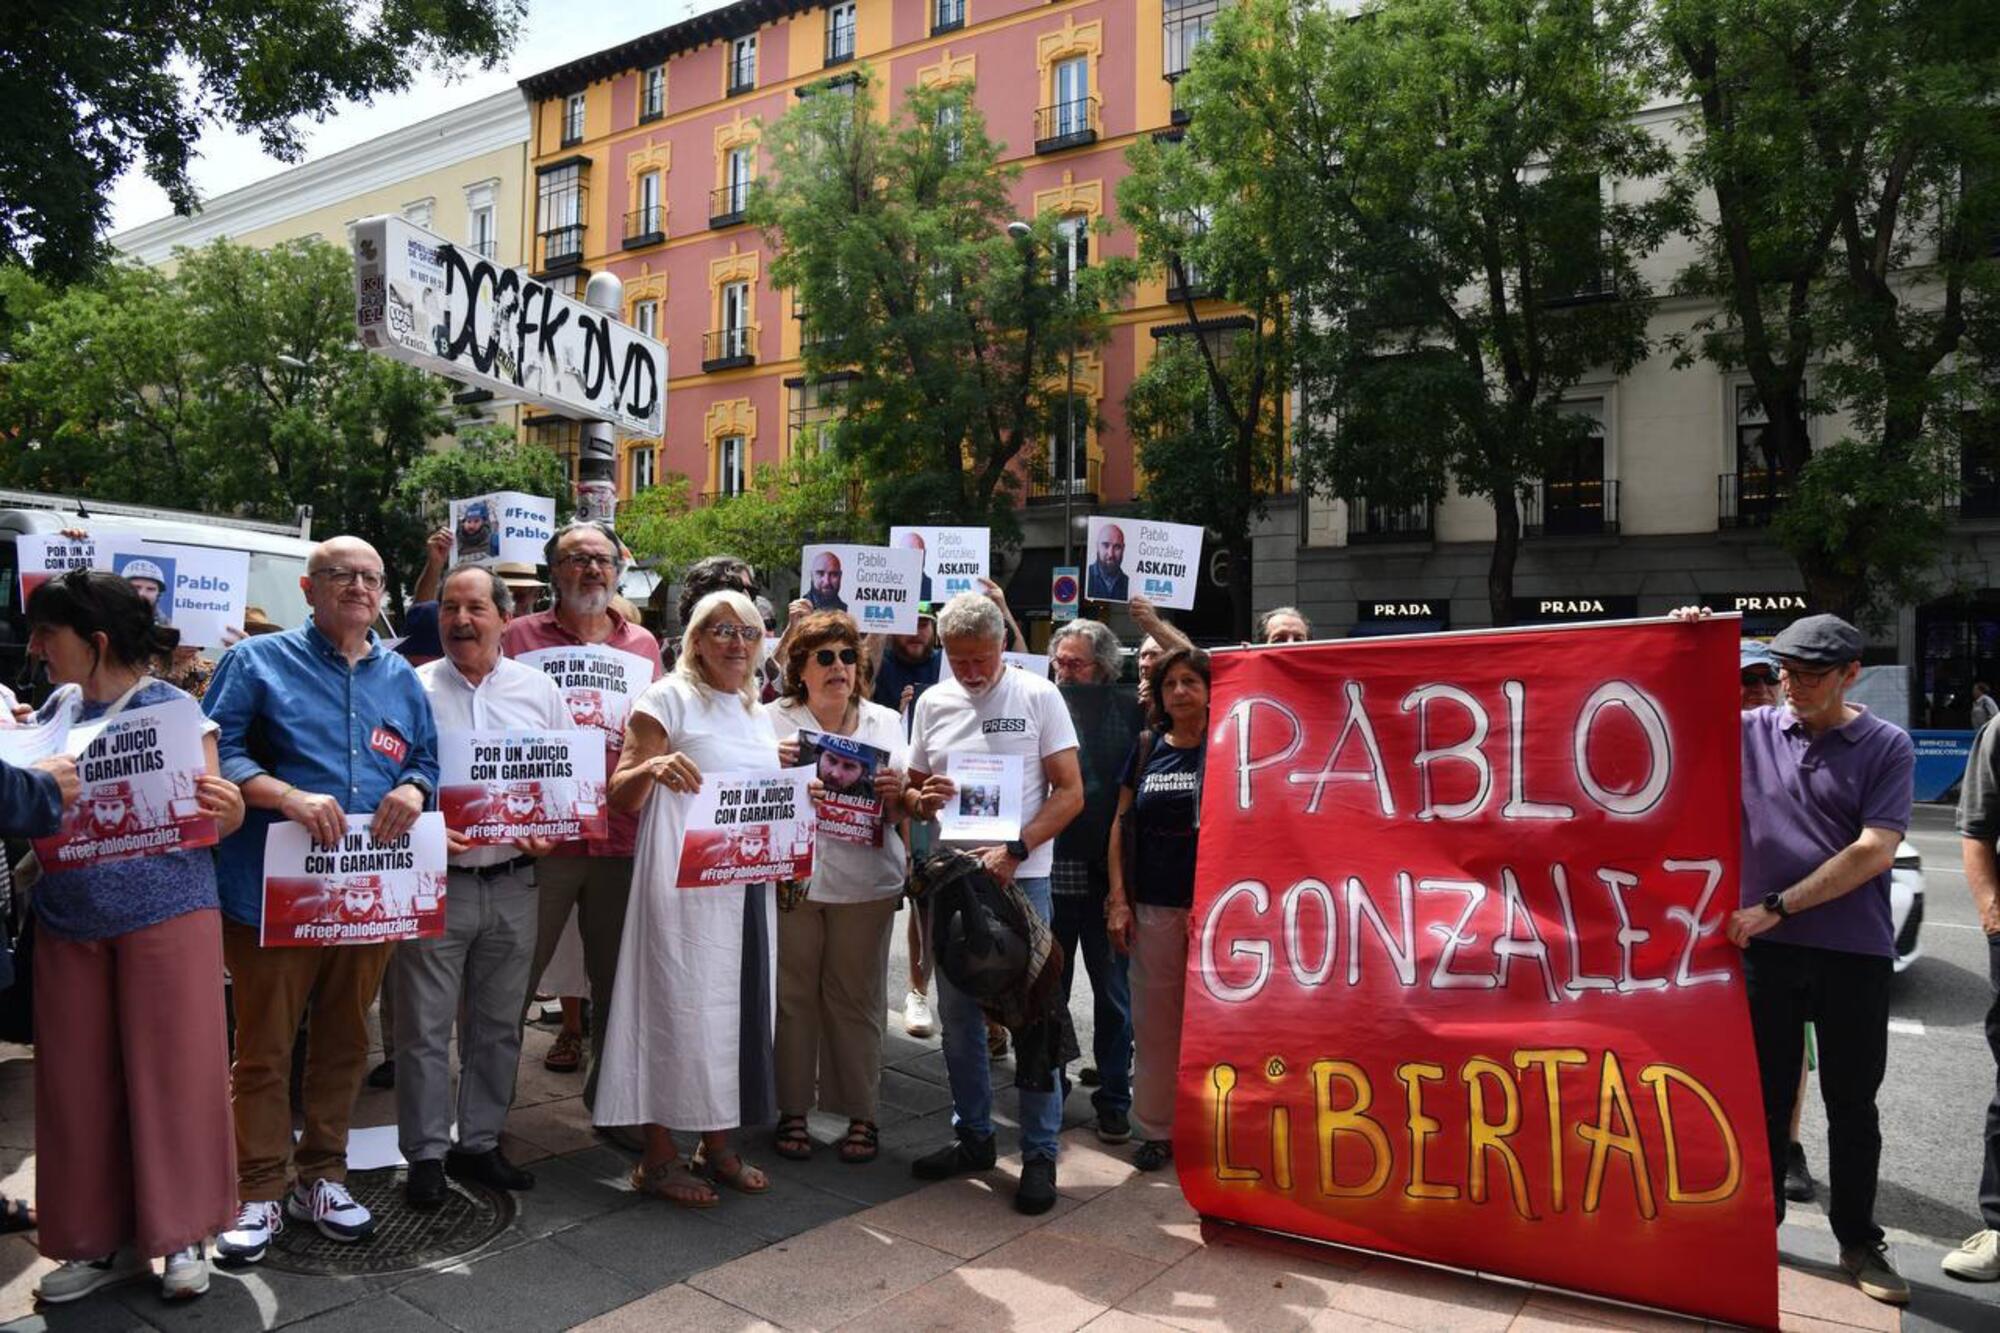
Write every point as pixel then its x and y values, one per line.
pixel 1775 904
pixel 1017 849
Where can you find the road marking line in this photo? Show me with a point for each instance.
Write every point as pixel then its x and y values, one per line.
pixel 1955 925
pixel 1909 1027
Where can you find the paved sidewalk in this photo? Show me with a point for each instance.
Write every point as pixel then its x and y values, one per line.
pixel 834 1245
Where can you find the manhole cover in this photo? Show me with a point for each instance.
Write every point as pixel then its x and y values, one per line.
pixel 405 1240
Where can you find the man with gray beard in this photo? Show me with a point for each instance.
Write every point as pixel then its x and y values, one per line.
pixel 593 877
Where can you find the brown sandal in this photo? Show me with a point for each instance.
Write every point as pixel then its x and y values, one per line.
pixel 662 1179
pixel 739 1175
pixel 862 1143
pixel 565 1055
pixel 791 1140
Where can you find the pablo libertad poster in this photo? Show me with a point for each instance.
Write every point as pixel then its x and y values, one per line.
pixel 850 810
pixel 1458 986
pixel 496 786
pixel 745 828
pixel 361 892
pixel 138 770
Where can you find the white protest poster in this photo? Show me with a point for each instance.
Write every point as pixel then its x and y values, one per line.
pixel 851 809
pixel 955 559
pixel 360 892
pixel 44 733
pixel 44 555
pixel 495 786
pixel 1158 561
pixel 599 684
pixel 199 590
pixel 746 828
pixel 139 797
pixel 506 527
pixel 877 585
pixel 986 807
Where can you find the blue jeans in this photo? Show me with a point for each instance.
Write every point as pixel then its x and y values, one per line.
pixel 1079 926
pixel 969 1068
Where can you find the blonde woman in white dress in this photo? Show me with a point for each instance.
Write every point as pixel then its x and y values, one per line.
pixel 689 1046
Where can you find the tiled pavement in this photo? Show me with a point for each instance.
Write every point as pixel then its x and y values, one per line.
pixel 857 1247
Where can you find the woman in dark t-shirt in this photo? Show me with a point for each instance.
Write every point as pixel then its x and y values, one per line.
pixel 1152 883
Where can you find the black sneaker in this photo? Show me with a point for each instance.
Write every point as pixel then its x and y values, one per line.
pixel 1037 1193
pixel 963 1154
pixel 1089 1077
pixel 424 1188
pixel 1799 1186
pixel 488 1168
pixel 1871 1270
pixel 1113 1127
pixel 383 1075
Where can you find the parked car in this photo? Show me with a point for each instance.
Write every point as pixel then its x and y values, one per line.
pixel 1906 903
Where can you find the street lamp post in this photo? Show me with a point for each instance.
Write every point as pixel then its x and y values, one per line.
pixel 1021 231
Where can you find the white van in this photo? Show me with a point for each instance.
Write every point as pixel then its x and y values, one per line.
pixel 277 554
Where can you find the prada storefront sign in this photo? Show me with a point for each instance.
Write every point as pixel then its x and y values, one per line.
pixel 1401 615
pixel 1564 609
pixel 1764 613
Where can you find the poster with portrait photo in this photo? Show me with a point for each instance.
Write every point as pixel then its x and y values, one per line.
pixel 850 811
pixel 955 559
pixel 986 807
pixel 496 786
pixel 361 892
pixel 598 684
pixel 509 527
pixel 137 769
pixel 199 590
pixel 747 828
pixel 879 586
pixel 1140 557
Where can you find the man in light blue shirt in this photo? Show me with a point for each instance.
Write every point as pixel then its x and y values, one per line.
pixel 315 723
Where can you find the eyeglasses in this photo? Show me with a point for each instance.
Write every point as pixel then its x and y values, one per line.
pixel 1760 676
pixel 827 657
pixel 724 633
pixel 1807 675
pixel 589 561
pixel 342 577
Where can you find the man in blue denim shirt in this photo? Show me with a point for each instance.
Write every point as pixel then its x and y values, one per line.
pixel 316 722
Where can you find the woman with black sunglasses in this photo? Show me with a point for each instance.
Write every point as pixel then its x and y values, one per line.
pixel 833 940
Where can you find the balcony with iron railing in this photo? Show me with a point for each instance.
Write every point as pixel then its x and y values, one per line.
pixel 839 37
pixel 1070 124
pixel 1046 487
pixel 727 349
pixel 1750 499
pixel 1185 281
pixel 485 249
pixel 728 203
pixel 947 16
pixel 1584 280
pixel 1587 507
pixel 1372 524
pixel 559 247
pixel 645 226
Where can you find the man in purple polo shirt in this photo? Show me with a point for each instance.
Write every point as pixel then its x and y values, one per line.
pixel 1826 799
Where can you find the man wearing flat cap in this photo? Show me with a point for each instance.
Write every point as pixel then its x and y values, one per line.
pixel 1826 800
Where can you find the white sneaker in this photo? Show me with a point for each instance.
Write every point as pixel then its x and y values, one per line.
pixel 187 1274
pixel 77 1278
pixel 327 1205
pixel 1978 1260
pixel 917 1020
pixel 246 1242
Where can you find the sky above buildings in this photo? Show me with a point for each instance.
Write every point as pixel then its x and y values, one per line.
pixel 554 32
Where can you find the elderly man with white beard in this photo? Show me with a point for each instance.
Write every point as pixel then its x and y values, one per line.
pixel 492 916
pixel 593 877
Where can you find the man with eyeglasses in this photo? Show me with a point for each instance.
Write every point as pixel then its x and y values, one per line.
pixel 1826 800
pixel 314 723
pixel 591 877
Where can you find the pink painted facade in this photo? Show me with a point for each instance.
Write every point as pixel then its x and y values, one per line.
pixel 1007 48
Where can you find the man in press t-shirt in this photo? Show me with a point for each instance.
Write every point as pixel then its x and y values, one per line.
pixel 987 709
pixel 1826 800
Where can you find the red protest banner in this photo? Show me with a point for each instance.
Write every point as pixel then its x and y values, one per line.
pixel 1457 981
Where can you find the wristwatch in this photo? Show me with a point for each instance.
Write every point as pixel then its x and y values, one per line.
pixel 1017 849
pixel 1774 903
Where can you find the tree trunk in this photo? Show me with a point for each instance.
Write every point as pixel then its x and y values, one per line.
pixel 1506 549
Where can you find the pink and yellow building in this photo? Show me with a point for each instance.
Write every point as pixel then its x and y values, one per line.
pixel 641 157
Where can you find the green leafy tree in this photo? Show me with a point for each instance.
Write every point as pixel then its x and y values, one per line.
pixel 233 386
pixel 93 87
pixel 814 496
pixel 1454 251
pixel 892 235
pixel 1853 155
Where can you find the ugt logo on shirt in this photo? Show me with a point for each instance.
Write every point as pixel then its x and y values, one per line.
pixel 382 740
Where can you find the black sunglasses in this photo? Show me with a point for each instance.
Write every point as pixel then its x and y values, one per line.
pixel 826 656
